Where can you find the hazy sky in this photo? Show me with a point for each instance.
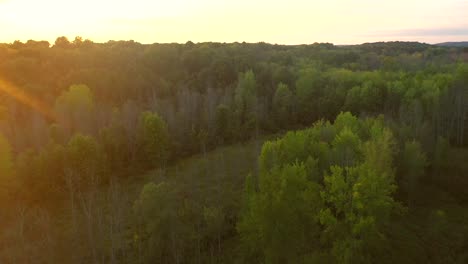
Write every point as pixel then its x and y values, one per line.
pixel 283 22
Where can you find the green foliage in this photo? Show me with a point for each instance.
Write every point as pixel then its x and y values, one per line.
pixel 308 90
pixel 347 120
pixel 153 139
pixel 283 104
pixel 442 147
pixel 279 222
pixel 223 123
pixel 74 109
pixel 413 162
pixel 156 217
pixel 84 160
pixel 296 213
pixel 246 102
pixel 346 148
pixel 308 176
pixel 381 148
pixel 42 172
pixel 78 98
pixel 246 92
pixel 364 98
pixel 214 220
pixel 115 147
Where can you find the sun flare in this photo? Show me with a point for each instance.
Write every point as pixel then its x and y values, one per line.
pixel 21 96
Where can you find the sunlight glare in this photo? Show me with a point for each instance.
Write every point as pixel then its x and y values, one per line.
pixel 21 96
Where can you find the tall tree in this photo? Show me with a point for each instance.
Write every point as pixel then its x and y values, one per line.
pixel 308 91
pixel 413 162
pixel 302 213
pixel 282 105
pixel 154 139
pixel 223 120
pixel 74 109
pixel 246 101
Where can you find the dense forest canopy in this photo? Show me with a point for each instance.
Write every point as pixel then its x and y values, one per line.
pixel 375 163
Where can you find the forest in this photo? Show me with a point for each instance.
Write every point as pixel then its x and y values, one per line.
pixel 122 152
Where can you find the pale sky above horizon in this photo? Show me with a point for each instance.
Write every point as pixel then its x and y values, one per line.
pixel 282 22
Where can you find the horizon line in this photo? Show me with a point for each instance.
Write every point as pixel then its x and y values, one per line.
pixel 52 43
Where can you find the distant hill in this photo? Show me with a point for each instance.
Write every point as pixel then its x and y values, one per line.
pixel 393 48
pixel 453 44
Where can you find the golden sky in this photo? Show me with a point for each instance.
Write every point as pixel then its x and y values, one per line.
pixel 282 22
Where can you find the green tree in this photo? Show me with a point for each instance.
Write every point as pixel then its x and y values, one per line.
pixel 41 172
pixel 359 201
pixel 213 217
pixel 282 105
pixel 164 228
pixel 308 92
pixel 413 162
pixel 115 145
pixel 74 109
pixel 246 102
pixel 153 139
pixel 156 216
pixel 439 159
pixel 347 120
pixel 306 210
pixel 347 148
pixel 223 120
pixel 281 219
pixel 84 160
